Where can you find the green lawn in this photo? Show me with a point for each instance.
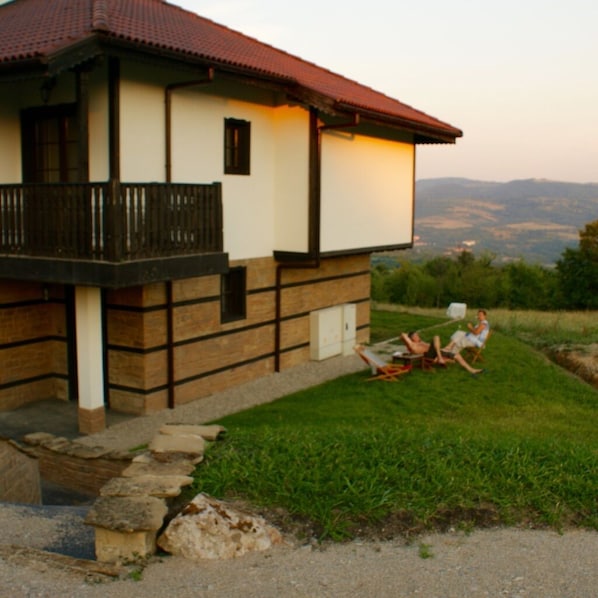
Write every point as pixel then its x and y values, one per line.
pixel 516 445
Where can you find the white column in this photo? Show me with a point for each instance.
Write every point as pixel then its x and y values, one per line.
pixel 88 314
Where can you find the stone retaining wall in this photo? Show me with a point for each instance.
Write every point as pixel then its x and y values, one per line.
pixel 75 466
pixel 19 475
pixel 132 508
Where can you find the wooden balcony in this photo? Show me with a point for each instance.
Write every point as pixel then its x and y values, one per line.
pixel 110 234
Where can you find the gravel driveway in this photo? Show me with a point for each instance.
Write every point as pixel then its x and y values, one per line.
pixel 495 563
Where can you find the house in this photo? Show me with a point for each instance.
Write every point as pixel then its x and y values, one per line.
pixel 179 203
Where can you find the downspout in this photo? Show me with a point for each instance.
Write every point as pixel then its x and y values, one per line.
pixel 315 206
pixel 168 166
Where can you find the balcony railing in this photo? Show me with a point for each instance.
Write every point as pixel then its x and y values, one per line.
pixel 113 222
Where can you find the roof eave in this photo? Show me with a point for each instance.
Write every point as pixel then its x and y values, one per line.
pixel 24 68
pixel 98 43
pixel 423 133
pixel 53 63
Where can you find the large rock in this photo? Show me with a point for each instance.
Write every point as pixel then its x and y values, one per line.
pixel 210 529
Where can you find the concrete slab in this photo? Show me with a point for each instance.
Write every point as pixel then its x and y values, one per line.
pixel 51 415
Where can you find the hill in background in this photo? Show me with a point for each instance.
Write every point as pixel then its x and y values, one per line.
pixel 533 219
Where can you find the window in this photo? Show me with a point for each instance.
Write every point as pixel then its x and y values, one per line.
pixel 50 144
pixel 232 295
pixel 237 137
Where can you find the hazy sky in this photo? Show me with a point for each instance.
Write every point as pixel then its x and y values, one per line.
pixel 519 77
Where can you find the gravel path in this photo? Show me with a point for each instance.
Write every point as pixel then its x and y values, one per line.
pixel 494 563
pixel 500 562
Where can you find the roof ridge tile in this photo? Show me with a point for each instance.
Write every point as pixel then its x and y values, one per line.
pixel 99 19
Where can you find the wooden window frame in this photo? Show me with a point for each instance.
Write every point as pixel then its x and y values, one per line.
pixel 35 170
pixel 237 146
pixel 233 294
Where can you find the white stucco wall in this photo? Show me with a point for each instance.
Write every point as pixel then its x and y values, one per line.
pixel 367 192
pixel 10 134
pixel 270 203
pixel 264 210
pixel 141 131
pixel 367 183
pixel 99 167
pixel 292 180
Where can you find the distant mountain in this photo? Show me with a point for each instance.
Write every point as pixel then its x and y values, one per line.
pixel 534 219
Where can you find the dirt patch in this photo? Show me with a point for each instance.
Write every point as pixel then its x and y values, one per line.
pixel 402 526
pixel 580 360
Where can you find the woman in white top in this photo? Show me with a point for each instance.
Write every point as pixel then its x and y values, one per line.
pixel 474 338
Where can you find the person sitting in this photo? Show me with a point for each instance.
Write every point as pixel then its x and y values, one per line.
pixel 417 346
pixel 474 338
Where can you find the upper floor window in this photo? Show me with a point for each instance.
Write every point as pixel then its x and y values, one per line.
pixel 237 141
pixel 50 144
pixel 232 294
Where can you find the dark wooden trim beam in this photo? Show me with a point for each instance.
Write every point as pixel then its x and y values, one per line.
pixel 114 118
pixel 82 92
pixel 292 256
pixel 112 275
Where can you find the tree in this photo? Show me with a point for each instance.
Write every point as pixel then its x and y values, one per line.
pixel 578 271
pixel 378 276
pixel 529 287
pixel 444 271
pixel 410 285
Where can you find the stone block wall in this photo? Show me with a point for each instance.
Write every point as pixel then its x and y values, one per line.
pixel 210 356
pixel 33 348
pixel 19 475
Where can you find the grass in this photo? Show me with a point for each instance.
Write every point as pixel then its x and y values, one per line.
pixel 540 328
pixel 515 446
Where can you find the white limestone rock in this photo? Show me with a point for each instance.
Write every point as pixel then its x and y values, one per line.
pixel 164 447
pixel 147 465
pixel 210 529
pixel 207 432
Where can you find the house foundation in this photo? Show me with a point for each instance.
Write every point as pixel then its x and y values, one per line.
pixel 142 349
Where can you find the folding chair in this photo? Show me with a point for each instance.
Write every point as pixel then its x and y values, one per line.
pixel 475 353
pixel 381 370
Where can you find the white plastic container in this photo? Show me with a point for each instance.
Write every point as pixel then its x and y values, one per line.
pixel 456 311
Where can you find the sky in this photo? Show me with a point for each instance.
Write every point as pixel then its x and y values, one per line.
pixel 518 77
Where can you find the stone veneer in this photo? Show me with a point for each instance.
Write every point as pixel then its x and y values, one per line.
pixel 19 474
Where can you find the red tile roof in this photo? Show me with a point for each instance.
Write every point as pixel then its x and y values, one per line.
pixel 38 31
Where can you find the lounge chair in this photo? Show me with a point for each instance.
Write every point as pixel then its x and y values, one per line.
pixel 381 370
pixel 473 354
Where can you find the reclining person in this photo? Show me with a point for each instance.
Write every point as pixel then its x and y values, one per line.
pixel 476 337
pixel 417 346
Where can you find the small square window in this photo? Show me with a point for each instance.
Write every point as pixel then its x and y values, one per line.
pixel 237 141
pixel 232 295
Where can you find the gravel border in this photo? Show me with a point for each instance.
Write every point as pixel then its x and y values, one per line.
pixel 141 430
